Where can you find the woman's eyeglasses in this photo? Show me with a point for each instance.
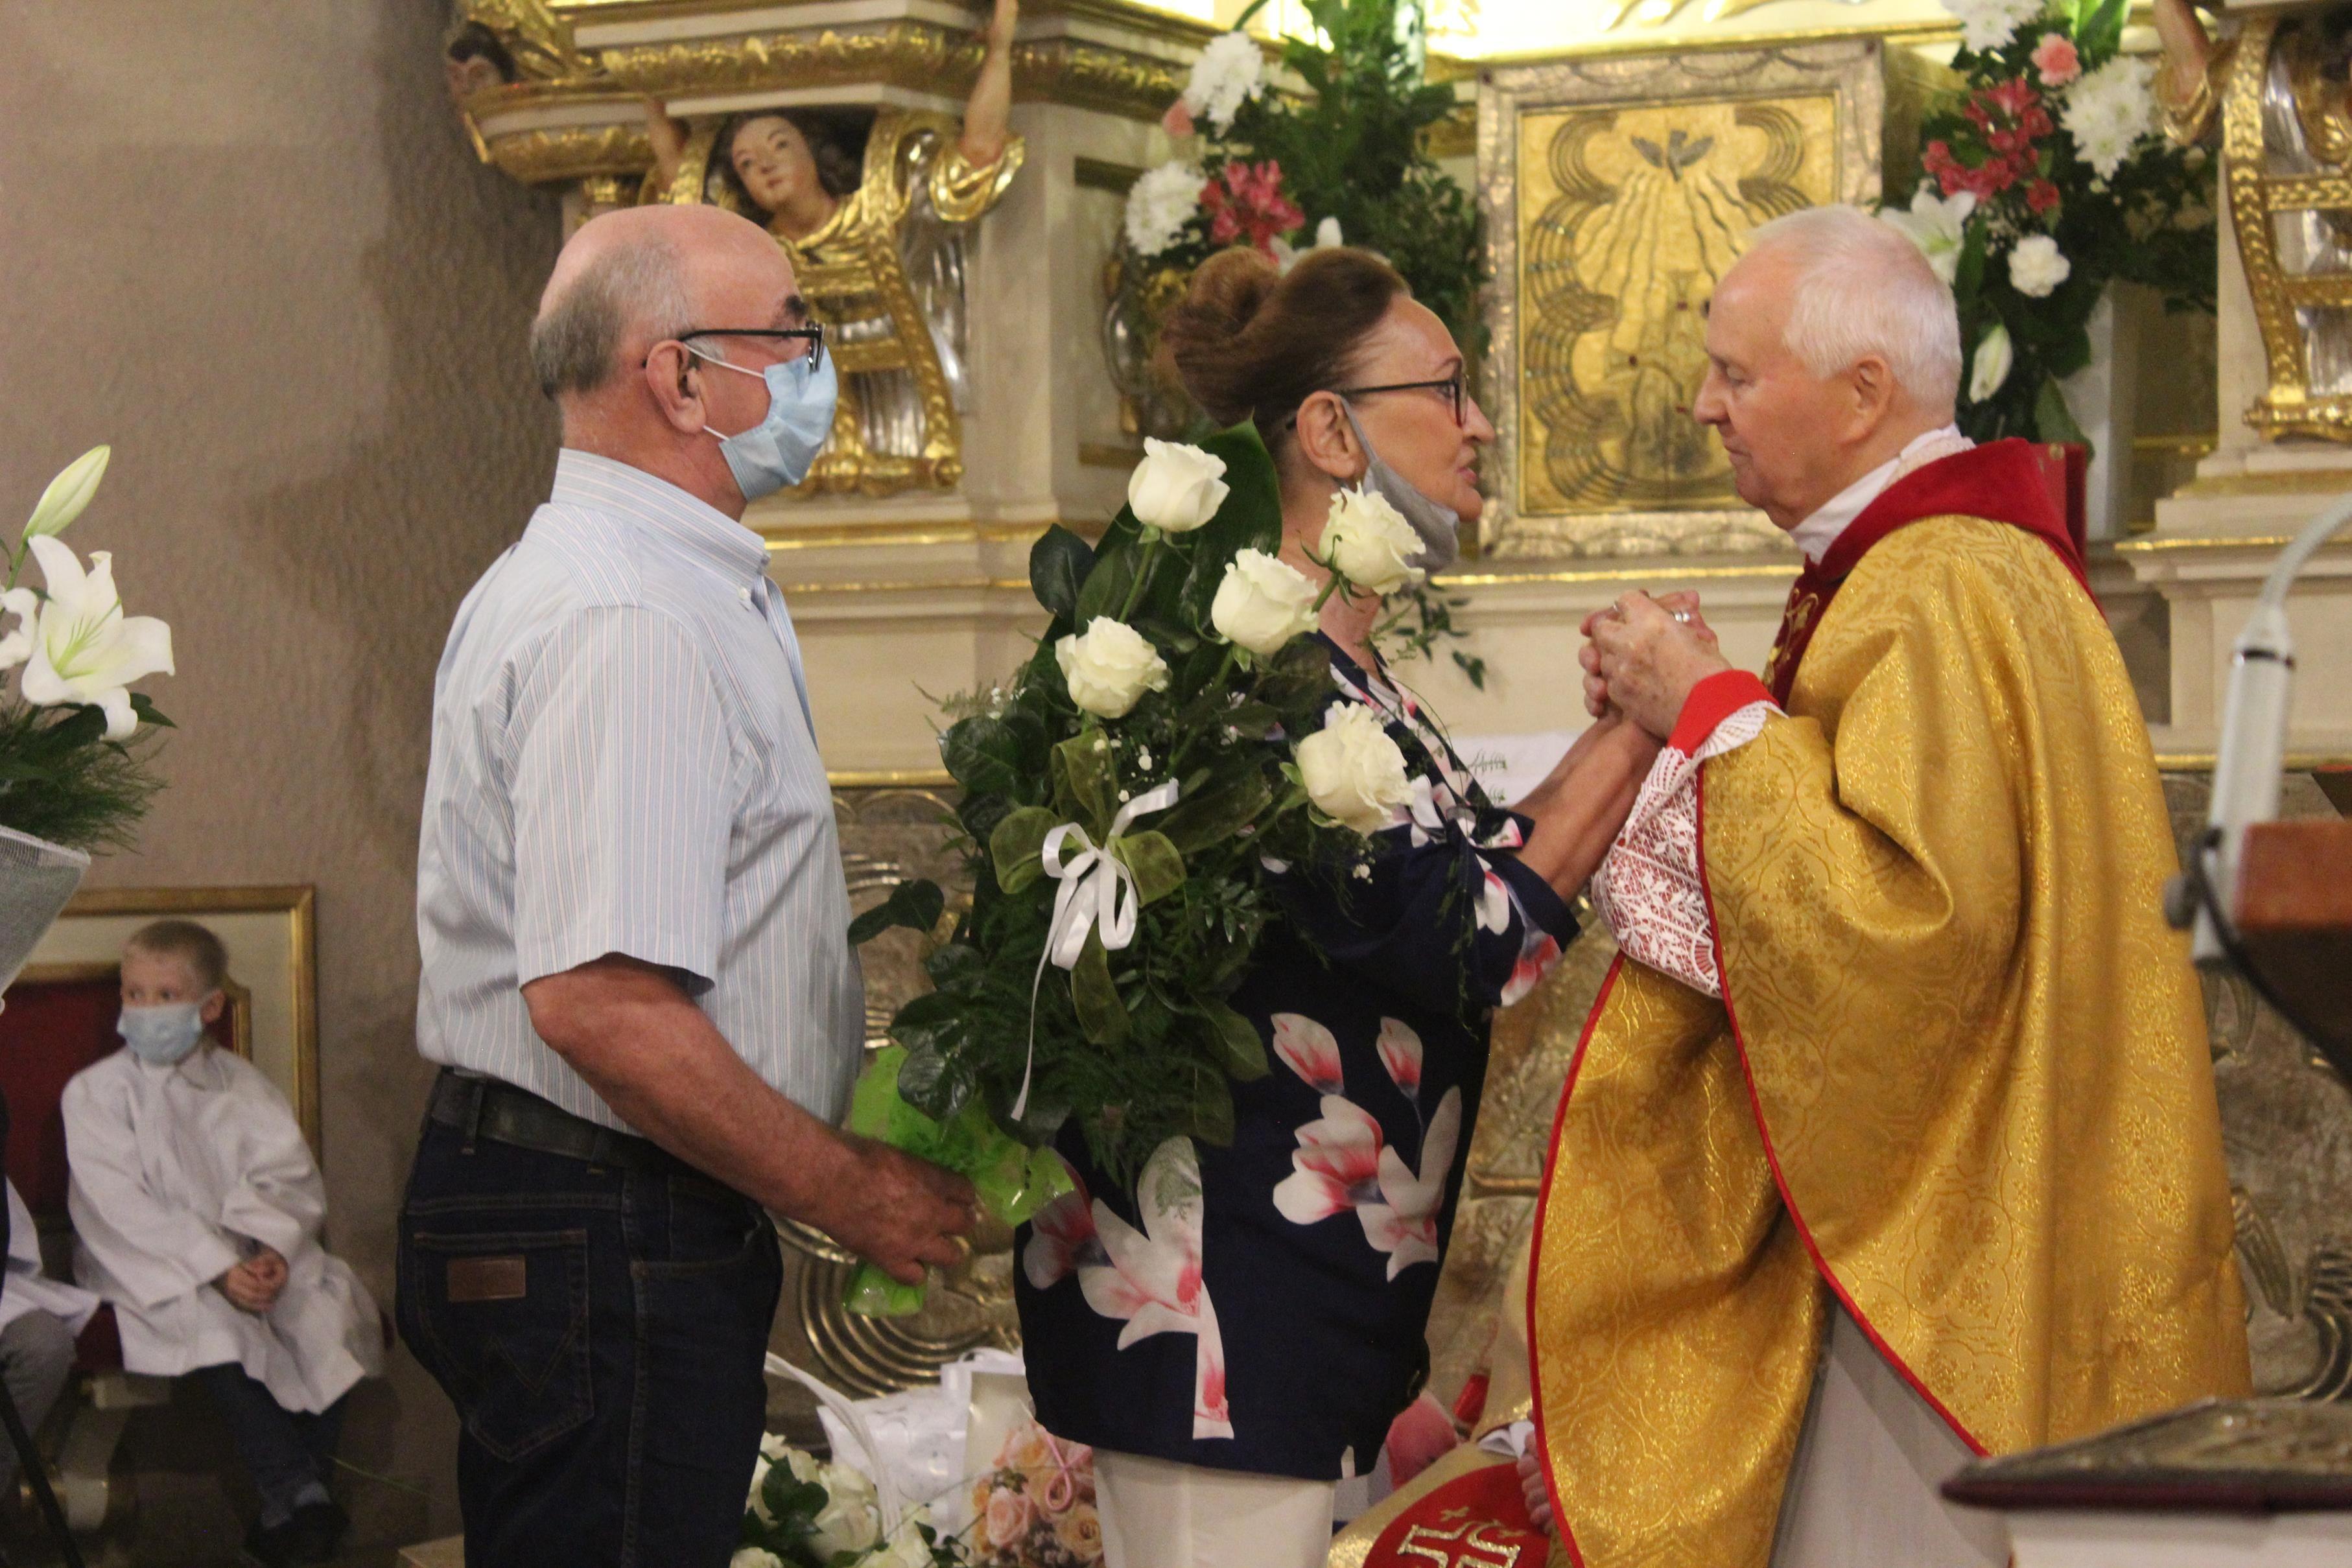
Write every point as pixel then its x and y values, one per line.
pixel 1454 387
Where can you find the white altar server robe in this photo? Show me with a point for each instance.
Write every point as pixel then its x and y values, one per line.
pixel 28 1290
pixel 176 1170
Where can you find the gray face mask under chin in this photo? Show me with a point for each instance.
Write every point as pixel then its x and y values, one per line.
pixel 1438 527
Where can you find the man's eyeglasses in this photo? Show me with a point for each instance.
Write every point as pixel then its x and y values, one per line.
pixel 1454 387
pixel 812 335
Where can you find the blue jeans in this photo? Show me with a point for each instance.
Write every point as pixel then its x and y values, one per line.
pixel 288 1455
pixel 601 1331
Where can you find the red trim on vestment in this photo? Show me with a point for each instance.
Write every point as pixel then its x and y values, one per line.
pixel 1711 702
pixel 2014 482
pixel 1543 1201
pixel 1772 1155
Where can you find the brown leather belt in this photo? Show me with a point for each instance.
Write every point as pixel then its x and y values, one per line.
pixel 485 1108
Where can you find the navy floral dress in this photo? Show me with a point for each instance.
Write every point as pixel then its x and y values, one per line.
pixel 1262 1306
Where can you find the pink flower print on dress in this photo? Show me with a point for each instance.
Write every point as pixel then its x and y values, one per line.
pixel 1538 953
pixel 1494 905
pixel 1404 1225
pixel 1062 1236
pixel 1399 1050
pixel 1150 1279
pixel 1335 1168
pixel 1307 1049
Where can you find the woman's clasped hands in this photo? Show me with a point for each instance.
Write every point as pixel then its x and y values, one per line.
pixel 1643 655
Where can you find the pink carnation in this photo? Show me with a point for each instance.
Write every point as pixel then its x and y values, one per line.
pixel 2055 59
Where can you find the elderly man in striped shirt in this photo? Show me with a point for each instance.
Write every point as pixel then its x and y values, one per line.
pixel 636 973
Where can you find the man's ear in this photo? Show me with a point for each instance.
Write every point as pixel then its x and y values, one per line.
pixel 1873 395
pixel 673 378
pixel 1326 440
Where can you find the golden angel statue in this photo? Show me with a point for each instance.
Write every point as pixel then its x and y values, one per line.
pixel 874 220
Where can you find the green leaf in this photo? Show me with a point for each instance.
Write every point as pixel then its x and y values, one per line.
pixel 2052 420
pixel 1158 867
pixel 982 754
pixel 932 1082
pixel 1238 1048
pixel 1212 1111
pixel 2103 33
pixel 1250 518
pixel 1015 849
pixel 1101 1015
pixel 1967 278
pixel 147 712
pixel 917 905
pixel 1301 672
pixel 1079 764
pixel 1058 563
pixel 1214 816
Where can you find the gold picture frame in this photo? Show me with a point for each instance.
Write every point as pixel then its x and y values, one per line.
pixel 271 935
pixel 1616 188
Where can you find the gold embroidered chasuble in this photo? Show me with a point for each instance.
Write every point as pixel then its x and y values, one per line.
pixel 1959 1076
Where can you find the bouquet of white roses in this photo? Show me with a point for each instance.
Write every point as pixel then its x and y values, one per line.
pixel 75 741
pixel 803 1512
pixel 1130 799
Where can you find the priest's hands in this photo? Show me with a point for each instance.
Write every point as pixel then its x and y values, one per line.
pixel 1645 655
pixel 895 1211
pixel 255 1284
pixel 1537 1494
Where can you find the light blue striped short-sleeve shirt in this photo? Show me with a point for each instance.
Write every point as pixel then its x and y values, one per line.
pixel 623 762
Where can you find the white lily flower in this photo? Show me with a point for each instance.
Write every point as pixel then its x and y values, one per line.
pixel 69 493
pixel 1938 226
pixel 84 650
pixel 1995 354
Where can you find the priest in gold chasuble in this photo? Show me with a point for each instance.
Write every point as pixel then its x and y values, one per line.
pixel 1892 1139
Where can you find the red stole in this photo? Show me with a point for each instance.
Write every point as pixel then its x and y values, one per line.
pixel 2014 482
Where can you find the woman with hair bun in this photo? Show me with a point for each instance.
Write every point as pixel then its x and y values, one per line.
pixel 1233 1347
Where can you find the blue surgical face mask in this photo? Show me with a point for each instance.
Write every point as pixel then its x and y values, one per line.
pixel 776 453
pixel 163 1034
pixel 1438 525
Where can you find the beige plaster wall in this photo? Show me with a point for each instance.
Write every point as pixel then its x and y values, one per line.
pixel 245 242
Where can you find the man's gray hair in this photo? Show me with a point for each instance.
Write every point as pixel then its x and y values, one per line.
pixel 1863 288
pixel 634 291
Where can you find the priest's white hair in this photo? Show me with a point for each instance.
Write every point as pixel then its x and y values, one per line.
pixel 1861 289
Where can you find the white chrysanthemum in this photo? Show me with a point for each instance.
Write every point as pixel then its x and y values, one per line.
pixel 2109 109
pixel 1987 24
pixel 2037 266
pixel 1160 205
pixel 1229 73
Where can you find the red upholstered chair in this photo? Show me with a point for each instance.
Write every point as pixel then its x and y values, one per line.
pixel 57 1021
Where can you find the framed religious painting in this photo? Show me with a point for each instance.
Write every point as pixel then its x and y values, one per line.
pixel 1618 189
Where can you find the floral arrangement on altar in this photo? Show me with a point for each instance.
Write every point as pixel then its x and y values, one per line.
pixel 1130 795
pixel 803 1512
pixel 2047 181
pixel 1035 1507
pixel 76 744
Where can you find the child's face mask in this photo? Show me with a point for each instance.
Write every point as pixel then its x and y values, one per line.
pixel 163 1034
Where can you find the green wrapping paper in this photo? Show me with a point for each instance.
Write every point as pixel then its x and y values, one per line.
pixel 1013 1180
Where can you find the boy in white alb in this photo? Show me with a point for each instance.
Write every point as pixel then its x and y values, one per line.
pixel 40 1319
pixel 196 1209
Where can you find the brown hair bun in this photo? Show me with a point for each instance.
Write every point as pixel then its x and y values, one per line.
pixel 1249 341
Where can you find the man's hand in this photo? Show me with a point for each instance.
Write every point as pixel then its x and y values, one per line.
pixel 255 1284
pixel 1596 688
pixel 1537 1494
pixel 1648 662
pixel 895 1211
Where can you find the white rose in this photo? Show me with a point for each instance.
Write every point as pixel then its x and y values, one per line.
pixel 1368 542
pixel 1993 358
pixel 1109 667
pixel 1176 489
pixel 904 1549
pixel 851 1520
pixel 755 1502
pixel 772 1447
pixel 2036 267
pixel 1352 770
pixel 1262 603
pixel 754 1557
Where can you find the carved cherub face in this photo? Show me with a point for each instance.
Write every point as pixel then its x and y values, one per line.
pixel 471 75
pixel 773 160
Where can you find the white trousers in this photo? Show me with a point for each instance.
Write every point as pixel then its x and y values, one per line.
pixel 1156 1513
pixel 1865 1490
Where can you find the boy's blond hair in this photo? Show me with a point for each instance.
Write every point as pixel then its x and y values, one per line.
pixel 190 943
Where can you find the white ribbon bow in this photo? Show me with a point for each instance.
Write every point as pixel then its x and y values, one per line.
pixel 1097 893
